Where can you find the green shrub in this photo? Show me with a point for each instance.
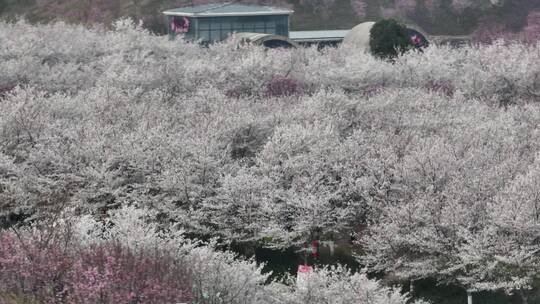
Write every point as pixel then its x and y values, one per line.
pixel 389 39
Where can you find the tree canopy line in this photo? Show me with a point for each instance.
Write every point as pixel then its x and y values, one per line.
pixel 434 153
pixel 440 17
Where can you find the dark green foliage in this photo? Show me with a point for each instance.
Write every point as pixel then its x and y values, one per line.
pixel 389 39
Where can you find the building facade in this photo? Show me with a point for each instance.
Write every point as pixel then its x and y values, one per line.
pixel 216 22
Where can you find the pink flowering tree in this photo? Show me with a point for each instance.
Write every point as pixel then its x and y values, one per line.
pixel 487 33
pixel 405 5
pixel 531 32
pixel 360 7
pixel 462 5
pixel 33 265
pixel 52 266
pixel 112 273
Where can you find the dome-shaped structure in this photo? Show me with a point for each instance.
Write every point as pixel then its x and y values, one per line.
pixel 359 36
pixel 266 40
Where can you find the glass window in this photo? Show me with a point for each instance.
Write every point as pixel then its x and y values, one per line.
pixel 259 24
pixel 237 23
pixel 226 25
pixel 281 30
pixel 214 25
pixel 215 35
pixel 271 27
pixel 248 27
pixel 204 35
pixel 225 34
pixel 204 24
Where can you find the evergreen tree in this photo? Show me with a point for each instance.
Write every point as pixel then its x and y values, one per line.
pixel 389 39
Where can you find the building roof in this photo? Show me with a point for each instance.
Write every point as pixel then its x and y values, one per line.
pixel 317 36
pixel 359 36
pixel 226 9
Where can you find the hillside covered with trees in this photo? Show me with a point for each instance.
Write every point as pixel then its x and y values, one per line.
pixel 449 17
pixel 132 147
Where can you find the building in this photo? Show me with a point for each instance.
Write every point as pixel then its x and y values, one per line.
pixel 360 35
pixel 321 38
pixel 263 25
pixel 266 40
pixel 216 22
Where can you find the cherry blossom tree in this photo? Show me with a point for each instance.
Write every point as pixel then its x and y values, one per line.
pixel 360 7
pixel 505 254
pixel 531 32
pixel 405 5
pixel 418 156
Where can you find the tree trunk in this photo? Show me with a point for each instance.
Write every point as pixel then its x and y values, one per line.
pixel 250 249
pixel 524 297
pixel 469 297
pixel 411 287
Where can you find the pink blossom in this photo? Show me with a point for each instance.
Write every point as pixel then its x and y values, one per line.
pixel 405 5
pixel 360 7
pixel 461 5
pixel 431 4
pixel 488 32
pixel 107 273
pixel 282 86
pixel 531 32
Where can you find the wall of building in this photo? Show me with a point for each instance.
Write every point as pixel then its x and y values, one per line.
pixel 211 29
